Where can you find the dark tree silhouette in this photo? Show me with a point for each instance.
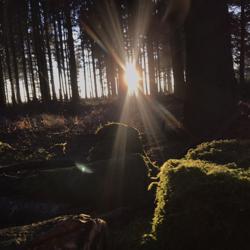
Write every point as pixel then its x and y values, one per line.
pixel 211 93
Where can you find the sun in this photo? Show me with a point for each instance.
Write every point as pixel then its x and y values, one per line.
pixel 132 78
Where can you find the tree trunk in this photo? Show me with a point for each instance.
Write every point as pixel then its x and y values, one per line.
pixel 122 86
pixel 211 95
pixel 72 60
pixel 151 68
pixel 47 38
pixel 8 63
pixel 84 66
pixel 58 60
pixel 31 68
pixel 40 52
pixel 243 22
pixel 2 85
pixel 94 70
pixel 64 81
pixel 25 76
pixel 110 69
pixel 2 89
pixel 176 43
pixel 14 61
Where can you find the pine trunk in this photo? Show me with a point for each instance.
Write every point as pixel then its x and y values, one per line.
pixel 40 52
pixel 243 22
pixel 176 43
pixel 72 60
pixel 211 98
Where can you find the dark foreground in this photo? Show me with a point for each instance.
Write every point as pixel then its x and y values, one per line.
pixel 56 169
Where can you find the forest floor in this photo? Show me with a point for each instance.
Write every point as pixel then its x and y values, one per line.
pixel 65 132
pixel 37 132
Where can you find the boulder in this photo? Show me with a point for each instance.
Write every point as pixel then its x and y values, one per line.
pixel 115 140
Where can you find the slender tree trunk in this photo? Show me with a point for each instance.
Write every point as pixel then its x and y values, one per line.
pixel 169 80
pixel 145 70
pixel 159 66
pixel 72 60
pixel 31 69
pixel 40 52
pixel 90 74
pixel 176 43
pixel 122 87
pixel 84 66
pixel 15 63
pixel 211 98
pixel 101 76
pixel 58 60
pixel 243 22
pixel 94 69
pixel 61 49
pixel 2 88
pixel 25 76
pixel 8 63
pixel 47 38
pixel 110 74
pixel 151 68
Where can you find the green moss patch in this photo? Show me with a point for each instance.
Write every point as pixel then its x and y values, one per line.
pixel 201 205
pixel 223 152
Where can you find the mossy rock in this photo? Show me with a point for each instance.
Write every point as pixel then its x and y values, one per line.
pixel 115 140
pixel 223 152
pixel 201 205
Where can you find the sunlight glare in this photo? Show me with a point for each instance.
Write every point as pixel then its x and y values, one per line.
pixel 132 78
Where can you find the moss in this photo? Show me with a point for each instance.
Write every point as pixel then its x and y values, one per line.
pixel 223 152
pixel 200 205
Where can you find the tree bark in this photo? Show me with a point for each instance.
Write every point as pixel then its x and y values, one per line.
pixel 47 38
pixel 243 22
pixel 211 93
pixel 15 61
pixel 177 49
pixel 40 52
pixel 72 60
pixel 2 89
pixel 151 68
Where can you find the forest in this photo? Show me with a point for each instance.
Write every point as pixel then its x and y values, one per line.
pixel 125 124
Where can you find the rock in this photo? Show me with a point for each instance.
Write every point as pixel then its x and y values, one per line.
pixel 114 140
pixel 65 232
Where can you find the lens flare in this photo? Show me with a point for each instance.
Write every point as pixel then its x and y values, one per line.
pixel 83 168
pixel 132 78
